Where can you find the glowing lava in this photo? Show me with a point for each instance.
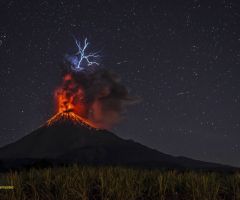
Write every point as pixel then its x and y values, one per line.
pixel 70 117
pixel 70 97
pixel 71 105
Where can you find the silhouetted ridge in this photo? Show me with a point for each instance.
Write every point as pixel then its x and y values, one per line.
pixel 67 138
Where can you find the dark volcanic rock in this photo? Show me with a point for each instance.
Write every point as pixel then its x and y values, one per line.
pixel 67 139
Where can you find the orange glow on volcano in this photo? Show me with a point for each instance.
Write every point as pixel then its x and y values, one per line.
pixel 70 117
pixel 70 102
pixel 70 97
pixel 96 98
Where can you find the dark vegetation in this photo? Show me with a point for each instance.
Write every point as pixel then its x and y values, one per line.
pixel 78 182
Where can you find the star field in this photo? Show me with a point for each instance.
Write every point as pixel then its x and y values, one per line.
pixel 180 57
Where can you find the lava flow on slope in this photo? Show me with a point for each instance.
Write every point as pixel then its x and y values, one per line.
pixel 71 117
pixel 71 106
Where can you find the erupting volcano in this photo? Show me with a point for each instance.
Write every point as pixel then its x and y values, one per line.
pixel 70 104
pixel 94 98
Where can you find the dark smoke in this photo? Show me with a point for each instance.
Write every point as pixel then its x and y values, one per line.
pixel 99 95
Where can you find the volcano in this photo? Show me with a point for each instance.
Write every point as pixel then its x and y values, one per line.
pixel 68 138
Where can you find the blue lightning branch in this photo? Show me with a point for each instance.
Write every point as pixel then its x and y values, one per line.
pixel 81 59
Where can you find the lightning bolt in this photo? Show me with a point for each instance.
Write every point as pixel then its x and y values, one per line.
pixel 80 59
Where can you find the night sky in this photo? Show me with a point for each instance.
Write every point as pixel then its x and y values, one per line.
pixel 181 57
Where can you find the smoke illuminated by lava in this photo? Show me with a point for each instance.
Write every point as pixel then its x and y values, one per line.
pixel 97 97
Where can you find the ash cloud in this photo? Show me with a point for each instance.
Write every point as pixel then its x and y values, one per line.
pixel 98 96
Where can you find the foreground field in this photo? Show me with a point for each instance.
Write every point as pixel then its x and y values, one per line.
pixel 116 183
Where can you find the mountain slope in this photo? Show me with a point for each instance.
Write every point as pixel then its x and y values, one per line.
pixel 67 138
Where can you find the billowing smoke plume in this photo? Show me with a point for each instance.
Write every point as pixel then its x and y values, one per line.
pixel 96 96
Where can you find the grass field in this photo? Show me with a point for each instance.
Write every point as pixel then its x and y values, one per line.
pixel 115 183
